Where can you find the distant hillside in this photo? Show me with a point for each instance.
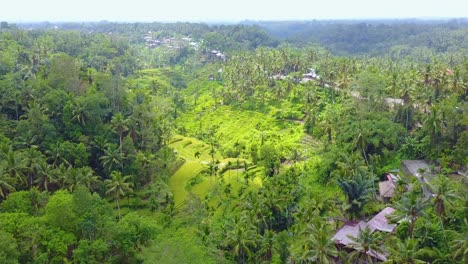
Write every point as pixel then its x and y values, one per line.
pixel 373 37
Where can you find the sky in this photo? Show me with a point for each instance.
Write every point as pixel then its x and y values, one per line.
pixel 221 10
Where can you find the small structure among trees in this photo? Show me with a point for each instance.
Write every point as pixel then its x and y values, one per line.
pixel 347 234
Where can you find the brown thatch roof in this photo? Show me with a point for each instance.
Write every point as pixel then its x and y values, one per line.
pixel 386 189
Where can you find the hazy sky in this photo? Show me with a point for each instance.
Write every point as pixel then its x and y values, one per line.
pixel 233 10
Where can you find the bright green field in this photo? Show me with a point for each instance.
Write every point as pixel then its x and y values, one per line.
pixel 186 148
pixel 234 125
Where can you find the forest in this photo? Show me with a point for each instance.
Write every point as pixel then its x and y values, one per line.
pixel 258 142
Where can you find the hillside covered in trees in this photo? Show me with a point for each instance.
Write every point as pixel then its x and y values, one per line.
pixel 272 142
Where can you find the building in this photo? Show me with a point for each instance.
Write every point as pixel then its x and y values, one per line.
pixel 421 170
pixel 343 237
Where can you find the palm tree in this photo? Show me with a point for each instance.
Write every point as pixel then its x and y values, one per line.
pixel 55 154
pixel 317 247
pixel 79 113
pixel 444 194
pixel 358 192
pixel 267 242
pixel 5 184
pixel 34 160
pixel 118 186
pixel 409 210
pixel 112 158
pixel 45 176
pixel 81 177
pixel 404 252
pixel 361 142
pixel 433 124
pixel 459 244
pixel 121 124
pixel 366 246
pixel 15 165
pixel 241 238
pixel 350 165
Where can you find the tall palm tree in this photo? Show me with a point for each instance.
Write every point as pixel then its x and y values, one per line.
pixel 118 187
pixel 404 252
pixel 121 124
pixel 358 192
pixel 267 245
pixel 459 244
pixel 317 247
pixel 81 177
pixel 241 238
pixel 79 113
pixel 34 160
pixel 15 166
pixel 112 158
pixel 444 194
pixel 5 184
pixel 409 209
pixel 433 124
pixel 366 246
pixel 45 176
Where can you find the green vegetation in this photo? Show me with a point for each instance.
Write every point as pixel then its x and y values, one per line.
pixel 190 143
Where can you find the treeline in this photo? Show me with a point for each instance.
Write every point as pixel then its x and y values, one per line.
pixel 375 38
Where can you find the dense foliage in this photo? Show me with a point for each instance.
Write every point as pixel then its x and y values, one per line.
pixel 191 143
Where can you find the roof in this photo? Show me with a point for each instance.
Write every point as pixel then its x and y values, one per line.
pixel 414 166
pixel 386 189
pixel 380 221
pixel 342 236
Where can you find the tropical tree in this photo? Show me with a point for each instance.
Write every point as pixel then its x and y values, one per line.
pixel 118 187
pixel 404 252
pixel 14 165
pixel 241 238
pixel 267 245
pixel 358 192
pixel 444 194
pixel 119 122
pixel 5 184
pixel 46 176
pixel 79 113
pixel 112 158
pixel 366 246
pixel 409 209
pixel 459 244
pixel 84 176
pixel 34 160
pixel 316 245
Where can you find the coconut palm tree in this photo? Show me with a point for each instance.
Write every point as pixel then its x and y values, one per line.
pixel 121 124
pixel 404 252
pixel 409 209
pixel 118 187
pixel 112 158
pixel 444 194
pixel 459 244
pixel 15 166
pixel 45 176
pixel 317 247
pixel 34 160
pixel 79 113
pixel 241 237
pixel 366 246
pixel 267 245
pixel 5 184
pixel 81 177
pixel 358 192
